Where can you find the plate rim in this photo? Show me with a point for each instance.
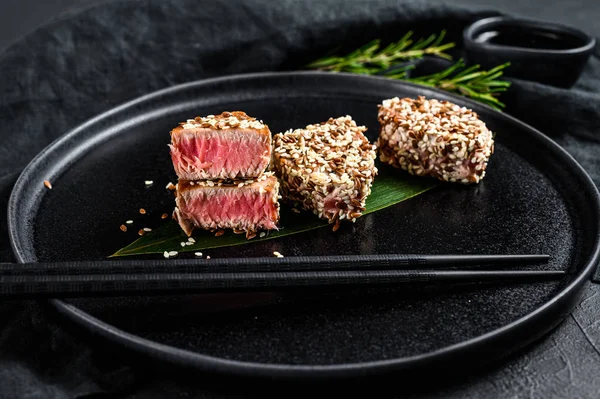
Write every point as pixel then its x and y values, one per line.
pixel 238 367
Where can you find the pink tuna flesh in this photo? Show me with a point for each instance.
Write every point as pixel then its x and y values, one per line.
pixel 229 208
pixel 226 154
pixel 333 203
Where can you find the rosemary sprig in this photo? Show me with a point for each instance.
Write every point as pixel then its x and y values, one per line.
pixel 481 85
pixel 370 59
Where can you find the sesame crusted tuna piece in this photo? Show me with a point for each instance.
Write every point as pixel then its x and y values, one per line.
pixel 231 145
pixel 246 206
pixel 327 168
pixel 434 138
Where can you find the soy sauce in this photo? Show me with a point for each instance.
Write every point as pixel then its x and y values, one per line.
pixel 529 38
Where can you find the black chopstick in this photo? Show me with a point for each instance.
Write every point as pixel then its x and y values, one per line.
pixel 98 285
pixel 266 264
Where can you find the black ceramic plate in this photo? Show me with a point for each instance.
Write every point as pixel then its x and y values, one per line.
pixel 534 199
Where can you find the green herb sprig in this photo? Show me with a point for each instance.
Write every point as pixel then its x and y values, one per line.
pixel 470 82
pixel 481 85
pixel 370 59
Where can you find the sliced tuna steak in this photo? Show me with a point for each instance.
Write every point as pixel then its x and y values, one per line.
pixel 231 145
pixel 244 206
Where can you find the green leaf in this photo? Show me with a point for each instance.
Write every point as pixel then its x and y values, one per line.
pixel 389 188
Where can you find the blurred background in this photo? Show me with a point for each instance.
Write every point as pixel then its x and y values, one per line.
pixel 17 17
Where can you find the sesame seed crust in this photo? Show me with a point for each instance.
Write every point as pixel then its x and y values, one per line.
pixel 327 168
pixel 184 185
pixel 225 120
pixel 429 137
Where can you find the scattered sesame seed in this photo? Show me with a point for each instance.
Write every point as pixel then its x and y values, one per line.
pixel 219 233
pixel 207 257
pixel 276 253
pixel 182 244
pixel 129 222
pixel 141 232
pixel 147 229
pixel 164 216
pixel 262 234
pixel 191 239
pixel 170 186
pixel 123 227
pixel 166 254
pixel 173 253
pixel 48 184
pixel 148 182
pixel 198 254
pixel 142 211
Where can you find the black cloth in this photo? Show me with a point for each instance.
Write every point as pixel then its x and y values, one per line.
pixel 89 61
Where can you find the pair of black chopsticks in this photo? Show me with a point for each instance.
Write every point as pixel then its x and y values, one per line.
pixel 178 276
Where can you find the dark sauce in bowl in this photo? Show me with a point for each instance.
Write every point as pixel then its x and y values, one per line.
pixel 539 51
pixel 529 38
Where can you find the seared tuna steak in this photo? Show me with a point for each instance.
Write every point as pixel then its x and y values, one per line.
pixel 246 206
pixel 434 138
pixel 231 145
pixel 327 168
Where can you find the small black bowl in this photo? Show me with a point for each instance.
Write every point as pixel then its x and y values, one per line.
pixel 540 51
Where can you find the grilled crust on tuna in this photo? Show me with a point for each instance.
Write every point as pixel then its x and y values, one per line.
pixel 231 145
pixel 246 206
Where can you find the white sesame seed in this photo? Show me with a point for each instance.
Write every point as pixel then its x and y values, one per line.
pixel 191 239
pixel 173 253
pixel 182 244
pixel 166 254
pixel 207 257
pixel 262 234
pixel 147 229
pixel 129 222
pixel 148 182
pixel 198 254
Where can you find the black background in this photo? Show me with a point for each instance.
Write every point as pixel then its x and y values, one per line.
pixel 563 365
pixel 18 17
